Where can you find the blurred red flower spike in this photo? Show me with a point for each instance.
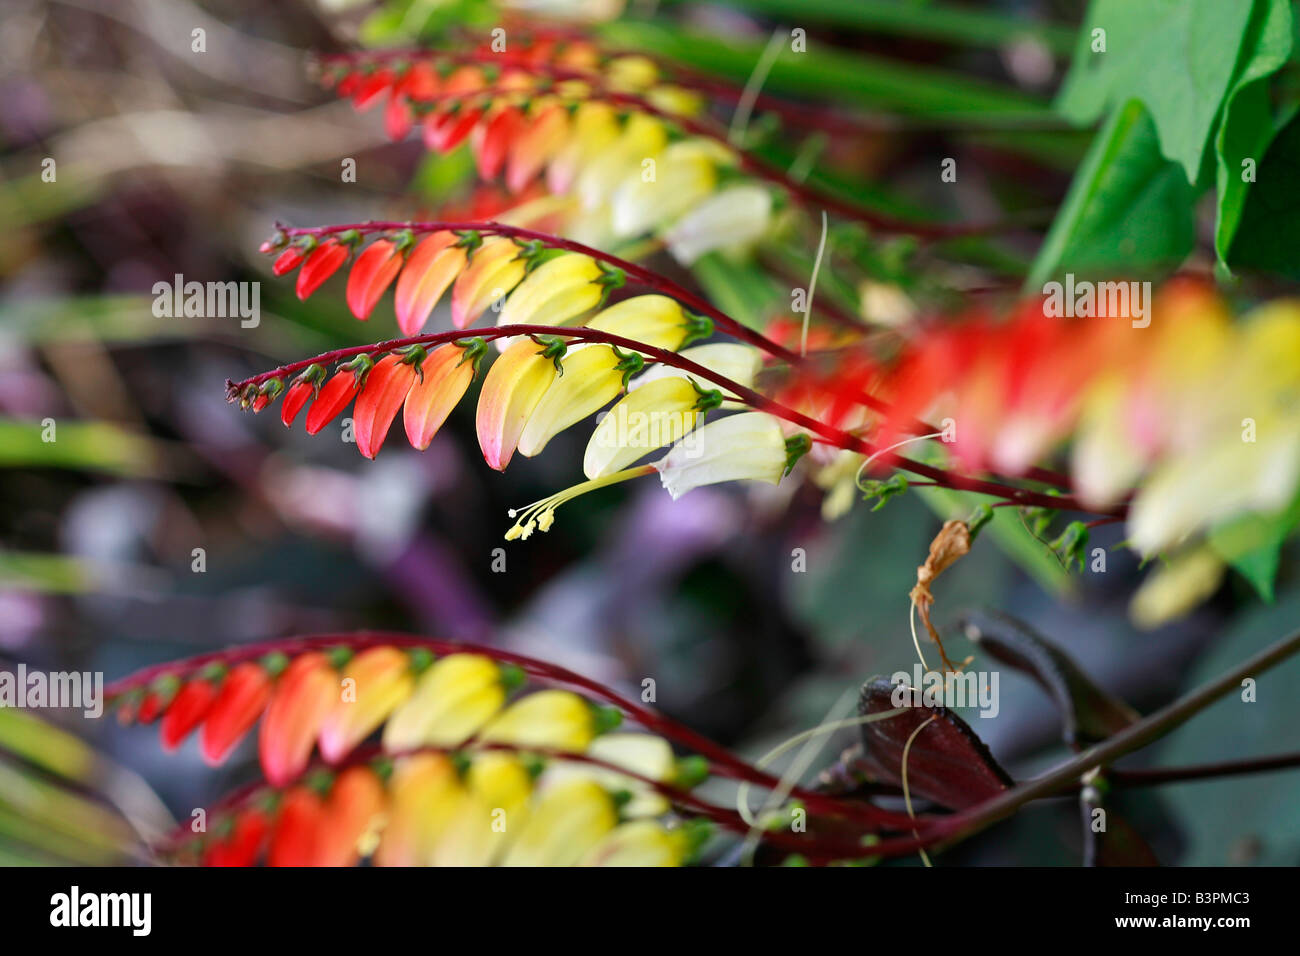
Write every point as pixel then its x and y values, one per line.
pixel 372 273
pixel 295 398
pixel 244 844
pixel 377 405
pixel 299 702
pixel 288 260
pixel 297 829
pixel 350 812
pixel 333 398
pixel 443 132
pixel 371 88
pixel 188 709
pixel 239 703
pixel 398 117
pixel 420 83
pixel 494 139
pixel 323 262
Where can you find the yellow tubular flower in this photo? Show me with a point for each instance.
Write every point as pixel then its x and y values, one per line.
pixel 1174 589
pixel 595 129
pixel 373 684
pixel 511 390
pixel 653 320
pixel 495 809
pixel 740 363
pixel 451 701
pixel 425 796
pixel 591 379
pixel 654 415
pixel 640 843
pixel 643 137
pixel 565 823
pixel 493 270
pixel 644 754
pixel 749 446
pixel 685 174
pixel 556 291
pixel 555 719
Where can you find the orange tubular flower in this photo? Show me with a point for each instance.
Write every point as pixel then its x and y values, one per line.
pixel 323 262
pixel 374 683
pixel 349 816
pixel 431 267
pixel 385 390
pixel 239 703
pixel 299 394
pixel 446 375
pixel 495 268
pixel 186 712
pixel 373 272
pixel 297 829
pixel 302 697
pixel 535 145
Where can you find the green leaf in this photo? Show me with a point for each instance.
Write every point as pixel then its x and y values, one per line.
pixel 741 289
pixel 1179 57
pixel 1252 545
pixel 1249 124
pixel 1128 208
pixel 92 446
pixel 1269 230
pixel 931 21
pixel 855 78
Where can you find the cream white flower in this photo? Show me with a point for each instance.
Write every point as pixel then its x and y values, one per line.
pixel 748 446
pixel 733 217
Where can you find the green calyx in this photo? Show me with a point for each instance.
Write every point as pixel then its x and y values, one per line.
pixel 709 398
pixel 469 241
pixel 359 367
pixel 271 389
pixel 274 664
pixel 414 356
pixel 690 772
pixel 421 660
pixel 553 348
pixel 474 349
pixel 981 516
pixel 796 446
pixel 697 327
pixel 1071 544
pixel 629 363
pixel 605 718
pixel 313 375
pixel 882 490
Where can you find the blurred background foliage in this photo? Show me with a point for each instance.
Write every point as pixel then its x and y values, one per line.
pixel 173 162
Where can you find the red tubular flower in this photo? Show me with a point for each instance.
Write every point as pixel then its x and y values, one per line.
pixel 443 132
pixel 239 703
pixel 288 260
pixel 333 398
pixel 349 814
pixel 297 829
pixel 493 141
pixel 301 699
pixel 295 398
pixel 187 711
pixel 150 707
pixel 380 400
pixel 323 262
pixel 372 273
pixel 243 845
